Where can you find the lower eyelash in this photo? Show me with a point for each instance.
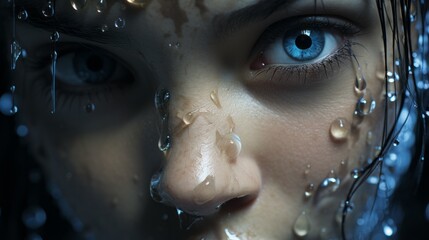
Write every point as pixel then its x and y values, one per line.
pixel 303 74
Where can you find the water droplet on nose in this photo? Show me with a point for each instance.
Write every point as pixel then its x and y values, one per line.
pixel 301 227
pixel 189 118
pixel 340 128
pixel 231 145
pixel 309 190
pixel 23 15
pixel 101 5
pixel 16 51
pixel 138 3
pixel 90 107
pixel 205 191
pixel 120 23
pixel 78 4
pixel 215 98
pixel 104 28
pixel 186 220
pixel 34 217
pixel 365 105
pixel 55 36
pixel 49 10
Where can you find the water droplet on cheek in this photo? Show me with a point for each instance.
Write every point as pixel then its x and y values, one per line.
pixel 340 128
pixel 365 105
pixel 301 227
pixel 360 83
pixel 205 191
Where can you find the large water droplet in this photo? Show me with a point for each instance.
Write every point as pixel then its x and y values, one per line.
pixel 205 191
pixel 365 105
pixel 49 10
pixel 186 220
pixel 340 128
pixel 78 4
pixel 120 23
pixel 215 98
pixel 309 190
pixel 15 50
pixel 138 3
pixel 34 217
pixel 189 118
pixel 101 5
pixel 230 144
pixel 23 15
pixel 301 227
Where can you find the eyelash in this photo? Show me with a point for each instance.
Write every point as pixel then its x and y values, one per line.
pixel 299 73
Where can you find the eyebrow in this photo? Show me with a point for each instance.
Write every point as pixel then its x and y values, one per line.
pixel 225 24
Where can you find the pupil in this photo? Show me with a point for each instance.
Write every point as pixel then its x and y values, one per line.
pixel 303 41
pixel 94 63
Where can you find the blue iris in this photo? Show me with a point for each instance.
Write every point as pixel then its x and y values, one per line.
pixel 304 45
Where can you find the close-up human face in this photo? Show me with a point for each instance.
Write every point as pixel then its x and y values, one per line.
pixel 250 119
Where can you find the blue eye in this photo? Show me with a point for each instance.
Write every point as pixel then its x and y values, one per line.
pixel 304 45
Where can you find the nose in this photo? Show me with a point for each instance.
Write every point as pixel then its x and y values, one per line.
pixel 208 164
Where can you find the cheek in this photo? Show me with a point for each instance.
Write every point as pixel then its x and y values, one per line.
pixel 107 171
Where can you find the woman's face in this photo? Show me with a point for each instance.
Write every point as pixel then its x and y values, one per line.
pixel 262 118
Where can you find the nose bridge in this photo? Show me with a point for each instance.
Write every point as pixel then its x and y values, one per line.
pixel 202 170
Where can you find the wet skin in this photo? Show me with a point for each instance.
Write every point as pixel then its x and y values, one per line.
pixel 103 160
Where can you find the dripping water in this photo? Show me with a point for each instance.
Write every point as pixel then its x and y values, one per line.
pixel 301 227
pixel 54 56
pixel 162 99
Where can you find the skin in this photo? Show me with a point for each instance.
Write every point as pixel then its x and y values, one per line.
pixel 102 161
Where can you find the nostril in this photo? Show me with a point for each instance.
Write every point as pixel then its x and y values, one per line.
pixel 237 204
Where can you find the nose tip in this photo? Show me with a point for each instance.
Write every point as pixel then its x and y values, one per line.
pixel 205 169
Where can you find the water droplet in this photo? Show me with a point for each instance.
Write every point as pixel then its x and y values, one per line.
pixel 340 128
pixel 22 130
pixel 186 220
pixel 162 97
pixel 231 235
pixel 230 144
pixel 55 36
pixel 100 5
pixel 34 217
pixel 309 190
pixel 189 118
pixel 49 10
pixel 120 23
pixel 389 227
pixel 360 84
pixel 22 15
pixel 90 107
pixel 104 28
pixel 54 57
pixel 78 4
pixel 395 142
pixel 330 183
pixel 215 98
pixel 13 110
pixel 12 88
pixel 155 182
pixel 138 3
pixel 205 191
pixel 301 227
pixel 164 142
pixel 15 50
pixel 355 173
pixel 365 105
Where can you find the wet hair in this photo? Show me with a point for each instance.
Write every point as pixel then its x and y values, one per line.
pixel 407 51
pixel 407 206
